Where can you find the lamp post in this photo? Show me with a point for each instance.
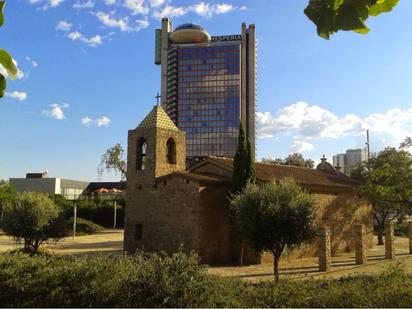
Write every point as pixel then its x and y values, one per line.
pixel 115 214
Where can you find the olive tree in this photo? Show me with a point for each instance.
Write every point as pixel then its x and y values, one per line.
pixel 273 216
pixel 387 185
pixel 33 217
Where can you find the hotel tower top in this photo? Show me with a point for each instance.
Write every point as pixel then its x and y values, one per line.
pixel 208 83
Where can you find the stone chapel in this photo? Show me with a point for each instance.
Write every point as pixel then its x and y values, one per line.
pixel 169 207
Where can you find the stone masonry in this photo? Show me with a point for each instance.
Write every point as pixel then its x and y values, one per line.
pixel 360 244
pixel 325 260
pixel 410 236
pixel 389 241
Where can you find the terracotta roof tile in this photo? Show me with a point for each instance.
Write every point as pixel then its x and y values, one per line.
pixel 303 175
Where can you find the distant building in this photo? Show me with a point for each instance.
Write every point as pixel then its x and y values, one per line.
pixel 70 189
pixel 345 161
pixel 208 83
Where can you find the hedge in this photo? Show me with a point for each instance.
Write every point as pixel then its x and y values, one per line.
pixel 158 280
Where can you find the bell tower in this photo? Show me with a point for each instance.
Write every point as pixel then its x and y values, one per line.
pixel 155 148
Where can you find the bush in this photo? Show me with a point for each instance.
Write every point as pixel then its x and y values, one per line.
pixel 98 211
pixel 33 217
pixel 158 280
pixel 83 227
pixel 401 229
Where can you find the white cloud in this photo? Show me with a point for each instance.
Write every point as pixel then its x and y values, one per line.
pixel 84 5
pixel 208 10
pixel 64 25
pixel 33 62
pixel 171 11
pixel 102 121
pixel 110 2
pixel 110 21
pixel 136 6
pixel 301 146
pixel 99 122
pixel 87 121
pixel 309 122
pixel 18 95
pixel 92 41
pixel 52 4
pixel 156 3
pixel 203 9
pixel 56 111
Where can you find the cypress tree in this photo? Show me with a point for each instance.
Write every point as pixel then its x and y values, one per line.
pixel 243 170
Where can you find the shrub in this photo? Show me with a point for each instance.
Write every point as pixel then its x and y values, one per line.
pixel 83 227
pixel 158 280
pixel 33 217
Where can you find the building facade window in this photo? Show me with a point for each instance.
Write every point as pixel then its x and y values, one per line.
pixel 171 151
pixel 141 154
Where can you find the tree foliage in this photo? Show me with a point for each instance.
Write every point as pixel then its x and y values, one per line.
pixel 243 169
pixel 331 16
pixel 388 186
pixel 407 143
pixel 273 216
pixel 7 193
pixel 294 159
pixel 5 59
pixel 112 160
pixel 33 217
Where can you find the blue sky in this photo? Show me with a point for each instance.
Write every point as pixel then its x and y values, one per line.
pixel 87 76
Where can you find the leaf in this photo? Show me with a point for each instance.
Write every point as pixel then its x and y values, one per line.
pixel 382 6
pixel 331 16
pixel 7 61
pixel 2 3
pixel 3 84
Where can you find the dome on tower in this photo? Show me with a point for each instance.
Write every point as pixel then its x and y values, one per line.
pixel 189 33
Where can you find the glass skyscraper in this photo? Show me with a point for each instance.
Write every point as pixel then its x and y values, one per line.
pixel 208 85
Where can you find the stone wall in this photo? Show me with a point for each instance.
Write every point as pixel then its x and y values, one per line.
pixel 341 213
pixel 169 215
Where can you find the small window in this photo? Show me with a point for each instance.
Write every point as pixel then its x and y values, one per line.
pixel 141 154
pixel 171 151
pixel 138 233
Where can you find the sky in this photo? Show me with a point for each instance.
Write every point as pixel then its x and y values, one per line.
pixel 87 76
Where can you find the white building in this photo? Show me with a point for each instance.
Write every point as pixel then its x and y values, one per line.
pixel 347 160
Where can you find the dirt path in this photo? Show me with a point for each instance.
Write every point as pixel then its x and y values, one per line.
pixel 111 242
pixel 107 242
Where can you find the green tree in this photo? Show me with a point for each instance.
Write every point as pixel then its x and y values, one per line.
pixel 294 159
pixel 407 143
pixel 387 186
pixel 5 59
pixel 331 16
pixel 274 216
pixel 243 169
pixel 33 217
pixel 7 193
pixel 112 160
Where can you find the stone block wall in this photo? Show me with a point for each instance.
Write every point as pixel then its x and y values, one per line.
pixel 169 214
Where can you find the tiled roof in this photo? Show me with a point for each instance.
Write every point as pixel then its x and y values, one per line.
pixel 195 177
pixel 305 176
pixel 157 118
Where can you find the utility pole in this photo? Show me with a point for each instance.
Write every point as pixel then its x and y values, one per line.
pixel 74 219
pixel 115 214
pixel 368 144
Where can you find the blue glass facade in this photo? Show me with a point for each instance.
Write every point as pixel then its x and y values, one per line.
pixel 205 84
